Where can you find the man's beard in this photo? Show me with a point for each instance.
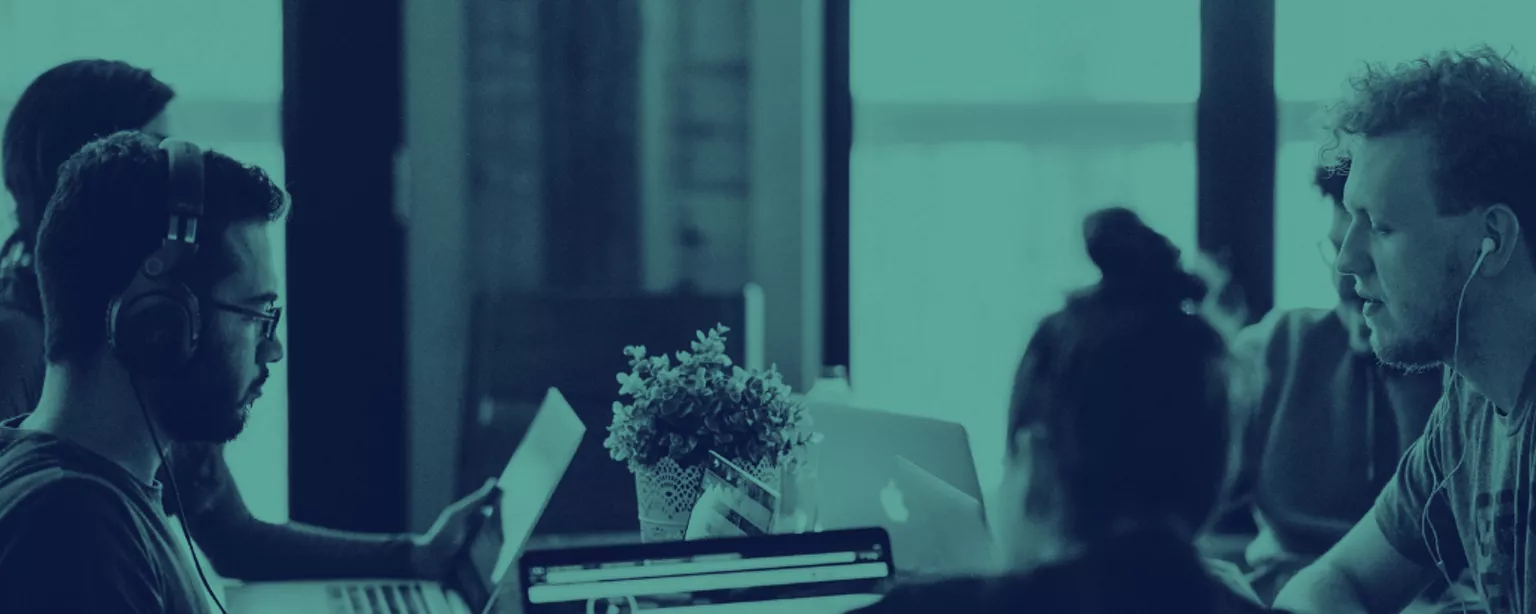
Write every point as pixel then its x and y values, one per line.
pixel 202 407
pixel 1416 355
pixel 192 423
pixel 1431 346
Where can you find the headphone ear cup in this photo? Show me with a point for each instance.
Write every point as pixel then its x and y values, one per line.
pixel 157 332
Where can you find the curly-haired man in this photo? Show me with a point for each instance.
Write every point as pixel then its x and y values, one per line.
pixel 1440 190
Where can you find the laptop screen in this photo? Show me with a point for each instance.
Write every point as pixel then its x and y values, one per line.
pixel 527 483
pixel 810 573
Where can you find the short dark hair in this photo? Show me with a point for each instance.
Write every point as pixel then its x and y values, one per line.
pixel 109 213
pixel 1129 384
pixel 60 111
pixel 1477 107
pixel 1329 179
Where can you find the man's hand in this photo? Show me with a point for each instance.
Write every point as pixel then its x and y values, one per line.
pixel 434 551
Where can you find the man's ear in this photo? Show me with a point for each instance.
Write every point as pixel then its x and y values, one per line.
pixel 1502 225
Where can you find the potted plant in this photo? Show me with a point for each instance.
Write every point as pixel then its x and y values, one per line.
pixel 677 414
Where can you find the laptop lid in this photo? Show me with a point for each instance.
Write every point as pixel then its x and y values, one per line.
pixel 936 529
pixel 526 484
pixel 807 573
pixel 859 453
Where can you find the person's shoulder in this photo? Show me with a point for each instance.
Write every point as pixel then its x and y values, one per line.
pixel 1290 325
pixel 62 513
pixel 21 340
pixel 26 456
pixel 74 540
pixel 56 492
pixel 1285 340
pixel 21 360
pixel 18 325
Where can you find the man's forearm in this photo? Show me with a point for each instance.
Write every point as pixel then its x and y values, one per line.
pixel 256 550
pixel 1321 589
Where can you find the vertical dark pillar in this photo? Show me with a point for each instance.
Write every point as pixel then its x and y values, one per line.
pixel 346 333
pixel 836 154
pixel 1236 144
pixel 590 84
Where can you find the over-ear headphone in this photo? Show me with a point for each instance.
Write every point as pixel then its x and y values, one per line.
pixel 153 325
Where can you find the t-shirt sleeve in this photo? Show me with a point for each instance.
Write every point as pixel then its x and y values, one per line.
pixel 73 546
pixel 1400 508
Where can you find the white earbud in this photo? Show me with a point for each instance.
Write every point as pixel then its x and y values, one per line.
pixel 1488 246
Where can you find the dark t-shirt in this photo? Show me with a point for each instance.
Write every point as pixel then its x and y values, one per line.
pixel 1139 572
pixel 78 533
pixel 238 545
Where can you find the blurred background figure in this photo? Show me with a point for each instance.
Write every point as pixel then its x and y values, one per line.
pixel 1326 429
pixel 62 110
pixel 1118 435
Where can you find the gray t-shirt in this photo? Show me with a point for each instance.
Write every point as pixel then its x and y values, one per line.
pixel 78 533
pixel 1479 519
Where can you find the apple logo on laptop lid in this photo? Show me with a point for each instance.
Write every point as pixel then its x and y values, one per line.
pixel 894 502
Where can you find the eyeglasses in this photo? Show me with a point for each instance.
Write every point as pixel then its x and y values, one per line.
pixel 268 319
pixel 1328 253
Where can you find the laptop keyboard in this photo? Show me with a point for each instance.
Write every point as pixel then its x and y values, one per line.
pixel 378 599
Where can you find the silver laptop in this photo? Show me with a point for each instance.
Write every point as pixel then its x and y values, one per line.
pixel 527 483
pixel 913 476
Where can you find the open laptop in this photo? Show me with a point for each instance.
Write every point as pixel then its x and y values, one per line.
pixel 836 571
pixel 526 483
pixel 914 476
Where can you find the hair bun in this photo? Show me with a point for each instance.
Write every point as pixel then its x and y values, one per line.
pixel 1138 264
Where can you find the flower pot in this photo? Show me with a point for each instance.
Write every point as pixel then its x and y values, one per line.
pixel 665 494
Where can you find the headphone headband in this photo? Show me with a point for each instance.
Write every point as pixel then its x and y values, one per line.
pixel 185 190
pixel 153 325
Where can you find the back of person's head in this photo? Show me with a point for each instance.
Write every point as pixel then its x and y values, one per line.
pixel 1126 389
pixel 110 213
pixel 58 113
pixel 1479 111
pixel 1329 179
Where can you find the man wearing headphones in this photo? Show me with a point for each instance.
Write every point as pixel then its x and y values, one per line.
pixel 159 292
pixel 1439 192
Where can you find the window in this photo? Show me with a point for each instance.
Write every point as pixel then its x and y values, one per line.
pixel 1319 45
pixel 983 137
pixel 225 61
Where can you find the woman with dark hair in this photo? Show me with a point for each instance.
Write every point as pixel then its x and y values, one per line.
pixel 1118 447
pixel 65 108
pixel 62 110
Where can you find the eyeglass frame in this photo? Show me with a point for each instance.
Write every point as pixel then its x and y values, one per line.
pixel 269 318
pixel 1328 253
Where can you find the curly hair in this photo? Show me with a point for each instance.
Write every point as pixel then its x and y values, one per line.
pixel 1329 179
pixel 1477 107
